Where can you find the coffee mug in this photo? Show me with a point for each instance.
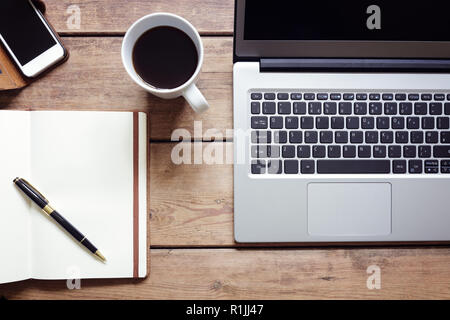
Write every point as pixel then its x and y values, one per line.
pixel 188 89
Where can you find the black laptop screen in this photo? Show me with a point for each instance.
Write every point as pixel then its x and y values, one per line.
pixel 350 20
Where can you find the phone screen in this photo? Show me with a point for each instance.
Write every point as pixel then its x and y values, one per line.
pixel 23 30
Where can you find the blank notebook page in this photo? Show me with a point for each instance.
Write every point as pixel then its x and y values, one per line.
pixel 83 163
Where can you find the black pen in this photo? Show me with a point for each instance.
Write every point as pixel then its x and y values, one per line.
pixel 43 203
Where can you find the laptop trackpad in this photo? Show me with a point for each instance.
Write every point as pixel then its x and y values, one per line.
pixel 349 209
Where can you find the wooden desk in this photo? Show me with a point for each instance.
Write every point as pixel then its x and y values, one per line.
pixel 193 254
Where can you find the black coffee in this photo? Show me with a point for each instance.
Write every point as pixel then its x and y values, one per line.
pixel 165 57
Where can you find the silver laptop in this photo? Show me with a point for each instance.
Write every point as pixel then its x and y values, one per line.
pixel 341 117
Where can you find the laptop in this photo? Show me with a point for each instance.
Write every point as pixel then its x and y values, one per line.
pixel 341 117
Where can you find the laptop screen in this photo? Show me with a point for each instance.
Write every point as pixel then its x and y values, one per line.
pixel 393 29
pixel 359 20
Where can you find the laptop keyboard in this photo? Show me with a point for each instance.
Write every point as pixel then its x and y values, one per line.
pixel 349 133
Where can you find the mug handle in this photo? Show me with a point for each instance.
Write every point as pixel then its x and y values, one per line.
pixel 196 99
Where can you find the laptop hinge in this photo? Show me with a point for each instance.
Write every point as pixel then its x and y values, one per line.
pixel 353 65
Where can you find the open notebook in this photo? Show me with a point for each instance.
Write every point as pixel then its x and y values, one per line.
pixel 92 166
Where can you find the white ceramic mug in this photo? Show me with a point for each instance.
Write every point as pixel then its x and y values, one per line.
pixel 188 90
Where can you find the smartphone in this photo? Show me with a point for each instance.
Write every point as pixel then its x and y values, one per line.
pixel 28 38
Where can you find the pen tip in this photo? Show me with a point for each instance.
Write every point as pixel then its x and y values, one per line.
pixel 100 256
pixel 15 180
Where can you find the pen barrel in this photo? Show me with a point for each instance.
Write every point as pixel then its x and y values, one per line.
pixel 67 226
pixel 73 231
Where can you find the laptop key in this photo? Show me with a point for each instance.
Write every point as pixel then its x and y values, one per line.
pixel 326 136
pixel 307 166
pixel 379 151
pixel 288 152
pixel 291 166
pixel 443 123
pixel 399 166
pixel 322 123
pixel 309 96
pixel 431 166
pixel 283 96
pixel 413 122
pixel 345 108
pixel 364 152
pixel 275 167
pixel 256 96
pixel 255 107
pixel 409 151
pixel 390 108
pixel 258 167
pixel 439 97
pixel 276 122
pixel 269 96
pixel 445 137
pixel 349 152
pixel 284 107
pixel 436 108
pixel 400 97
pixel 394 152
pixel 341 137
pixel 299 107
pixel 315 108
pixel 426 96
pixel 330 108
pixel 388 96
pixel 337 122
pixel 296 96
pixel 273 151
pixel 335 96
pixel 367 122
pixel 371 136
pixel 356 137
pixel 280 137
pixel 259 122
pixel 431 137
pixel 406 108
pixel 311 137
pixel 269 107
pixel 307 122
pixel 361 96
pixel 441 151
pixel 427 123
pixel 416 137
pixel 334 151
pixel 291 123
pixel 383 123
pixel 420 108
pixel 303 151
pixel 319 151
pixel 295 136
pixel 352 123
pixel 401 137
pixel 353 166
pixel 447 108
pixel 349 96
pixel 322 96
pixel 374 96
pixel 360 108
pixel 424 151
pixel 387 137
pixel 415 166
pixel 413 96
pixel 375 108
pixel 398 123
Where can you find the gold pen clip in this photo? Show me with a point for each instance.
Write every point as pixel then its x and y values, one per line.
pixel 35 190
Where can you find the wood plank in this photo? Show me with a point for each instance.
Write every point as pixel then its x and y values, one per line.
pixel 94 78
pixel 115 16
pixel 190 205
pixel 406 273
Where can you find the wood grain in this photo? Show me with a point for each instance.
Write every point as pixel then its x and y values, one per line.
pixel 190 205
pixel 115 16
pixel 94 78
pixel 406 273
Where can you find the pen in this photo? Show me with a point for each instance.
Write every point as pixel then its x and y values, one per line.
pixel 43 203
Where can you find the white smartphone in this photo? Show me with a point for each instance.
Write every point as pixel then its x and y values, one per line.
pixel 28 38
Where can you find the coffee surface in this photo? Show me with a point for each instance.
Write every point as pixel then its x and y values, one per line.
pixel 165 57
